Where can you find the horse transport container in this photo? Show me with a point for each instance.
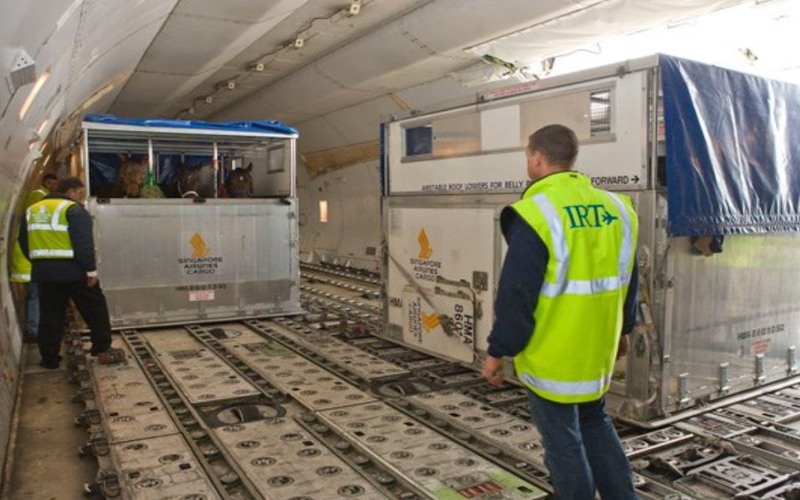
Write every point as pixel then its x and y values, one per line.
pixel 710 160
pixel 169 260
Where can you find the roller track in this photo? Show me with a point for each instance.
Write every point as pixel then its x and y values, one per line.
pixel 317 407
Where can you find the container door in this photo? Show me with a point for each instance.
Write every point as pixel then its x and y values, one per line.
pixel 441 261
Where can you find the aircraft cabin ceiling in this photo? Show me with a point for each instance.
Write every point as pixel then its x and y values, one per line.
pixel 332 68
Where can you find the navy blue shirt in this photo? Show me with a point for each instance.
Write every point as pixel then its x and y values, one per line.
pixel 520 282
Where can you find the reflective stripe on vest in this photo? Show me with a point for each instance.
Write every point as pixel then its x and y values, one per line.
pixel 572 388
pixel 561 254
pixel 48 231
pixel 20 266
pixel 47 252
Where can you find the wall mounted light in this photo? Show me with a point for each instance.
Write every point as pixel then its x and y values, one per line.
pixel 42 127
pixel 323 211
pixel 34 92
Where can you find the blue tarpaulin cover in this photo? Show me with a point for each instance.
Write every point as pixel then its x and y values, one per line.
pixel 733 150
pixel 264 126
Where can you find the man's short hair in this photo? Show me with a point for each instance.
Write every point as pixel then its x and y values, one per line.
pixel 68 183
pixel 557 143
pixel 49 177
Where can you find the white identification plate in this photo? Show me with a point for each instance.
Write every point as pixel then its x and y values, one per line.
pixel 201 295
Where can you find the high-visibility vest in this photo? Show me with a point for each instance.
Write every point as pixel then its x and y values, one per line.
pixel 590 235
pixel 20 265
pixel 35 196
pixel 48 230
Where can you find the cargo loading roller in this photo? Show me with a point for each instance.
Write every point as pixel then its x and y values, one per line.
pixel 286 421
pixel 245 406
pixel 341 409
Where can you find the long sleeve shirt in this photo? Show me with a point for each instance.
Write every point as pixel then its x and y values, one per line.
pixel 518 290
pixel 80 234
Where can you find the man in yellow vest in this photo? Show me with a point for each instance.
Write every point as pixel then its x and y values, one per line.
pixel 566 294
pixel 56 235
pixel 49 184
pixel 21 266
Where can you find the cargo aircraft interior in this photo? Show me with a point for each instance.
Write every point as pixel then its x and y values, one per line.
pixel 296 212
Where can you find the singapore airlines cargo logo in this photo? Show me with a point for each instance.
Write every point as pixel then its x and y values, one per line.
pixel 199 247
pixel 201 261
pixel 425 250
pixel 423 267
pixel 430 321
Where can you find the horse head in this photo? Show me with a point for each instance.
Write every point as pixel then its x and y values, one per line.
pixel 131 175
pixel 240 182
pixel 196 182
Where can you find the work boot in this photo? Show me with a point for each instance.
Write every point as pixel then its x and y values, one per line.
pixel 98 349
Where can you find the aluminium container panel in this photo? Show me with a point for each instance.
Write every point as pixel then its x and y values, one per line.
pixel 441 265
pixel 480 149
pixel 172 261
pixel 733 316
pixel 722 324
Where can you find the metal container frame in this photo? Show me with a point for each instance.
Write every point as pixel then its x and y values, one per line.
pixel 253 267
pixel 701 340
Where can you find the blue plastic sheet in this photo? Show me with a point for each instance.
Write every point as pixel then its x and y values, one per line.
pixel 733 150
pixel 264 126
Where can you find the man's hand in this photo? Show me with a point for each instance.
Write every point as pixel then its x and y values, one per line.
pixel 622 347
pixel 92 281
pixel 493 371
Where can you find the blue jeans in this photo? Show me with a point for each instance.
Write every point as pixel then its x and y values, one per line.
pixel 582 450
pixel 32 309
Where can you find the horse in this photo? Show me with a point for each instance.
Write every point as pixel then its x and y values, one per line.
pixel 239 183
pixel 196 181
pixel 130 178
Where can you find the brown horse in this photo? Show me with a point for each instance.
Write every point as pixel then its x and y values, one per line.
pixel 239 183
pixel 196 182
pixel 130 178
